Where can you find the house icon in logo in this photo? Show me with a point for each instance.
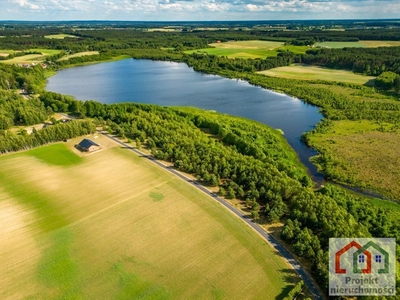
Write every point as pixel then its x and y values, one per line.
pixel 362 266
pixel 378 258
pixel 361 256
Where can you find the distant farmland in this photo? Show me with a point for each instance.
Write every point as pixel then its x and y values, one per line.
pixel 263 49
pixel 60 36
pixel 29 58
pixel 112 225
pixel 249 49
pixel 79 54
pixel 360 44
pixel 306 72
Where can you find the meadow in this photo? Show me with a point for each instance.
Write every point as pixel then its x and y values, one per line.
pixel 363 153
pixel 111 225
pixel 307 72
pixel 79 54
pixel 6 52
pixel 360 44
pixel 340 44
pixel 249 49
pixel 30 58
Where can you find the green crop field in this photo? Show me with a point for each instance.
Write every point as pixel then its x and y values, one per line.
pixel 249 49
pixel 59 36
pixel 30 58
pixel 306 72
pixel 111 225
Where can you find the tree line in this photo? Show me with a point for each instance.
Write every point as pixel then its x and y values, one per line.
pixel 368 61
pixel 14 108
pixel 10 141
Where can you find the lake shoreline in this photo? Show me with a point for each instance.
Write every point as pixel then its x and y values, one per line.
pixel 317 177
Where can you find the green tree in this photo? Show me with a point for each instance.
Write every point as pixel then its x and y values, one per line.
pixel 138 144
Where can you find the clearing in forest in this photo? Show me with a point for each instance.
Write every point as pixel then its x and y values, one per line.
pixel 60 36
pixel 360 44
pixel 30 58
pixel 249 49
pixel 307 72
pixel 79 54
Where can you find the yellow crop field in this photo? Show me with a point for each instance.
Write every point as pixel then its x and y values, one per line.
pixel 248 49
pixel 373 44
pixel 307 72
pixel 79 54
pixel 111 225
pixel 60 36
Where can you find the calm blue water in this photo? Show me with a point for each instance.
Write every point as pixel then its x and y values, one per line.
pixel 169 83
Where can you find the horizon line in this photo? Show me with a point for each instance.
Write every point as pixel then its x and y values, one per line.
pixel 236 20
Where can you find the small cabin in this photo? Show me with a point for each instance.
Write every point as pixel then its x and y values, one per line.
pixel 88 145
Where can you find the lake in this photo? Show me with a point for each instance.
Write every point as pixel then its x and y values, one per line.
pixel 175 84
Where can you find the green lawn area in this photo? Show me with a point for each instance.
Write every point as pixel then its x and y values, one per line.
pixel 57 154
pixel 249 49
pixel 59 36
pixel 307 72
pixel 112 225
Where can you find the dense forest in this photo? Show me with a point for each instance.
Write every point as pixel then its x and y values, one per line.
pixel 369 61
pixel 14 109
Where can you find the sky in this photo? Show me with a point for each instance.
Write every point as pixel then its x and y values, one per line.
pixel 197 10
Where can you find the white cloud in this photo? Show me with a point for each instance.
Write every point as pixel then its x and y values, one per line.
pixel 27 4
pixel 197 9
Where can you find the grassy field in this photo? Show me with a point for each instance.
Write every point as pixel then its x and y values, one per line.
pixel 249 49
pixel 361 153
pixel 6 52
pixel 60 36
pixel 111 225
pixel 340 44
pixel 306 72
pixel 362 44
pixel 30 58
pixel 373 44
pixel 115 58
pixel 79 55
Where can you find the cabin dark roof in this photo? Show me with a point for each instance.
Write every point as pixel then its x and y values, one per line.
pixel 86 144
